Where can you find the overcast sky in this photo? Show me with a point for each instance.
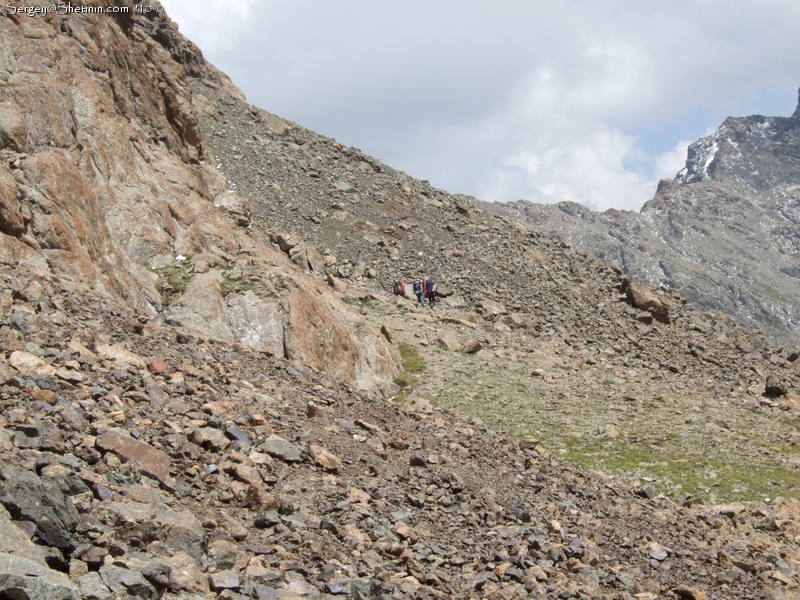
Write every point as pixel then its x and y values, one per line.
pixel 590 101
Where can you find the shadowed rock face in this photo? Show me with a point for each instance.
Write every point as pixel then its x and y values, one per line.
pixel 725 231
pixel 104 182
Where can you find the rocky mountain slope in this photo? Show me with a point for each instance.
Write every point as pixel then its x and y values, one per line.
pixel 725 231
pixel 105 184
pixel 197 345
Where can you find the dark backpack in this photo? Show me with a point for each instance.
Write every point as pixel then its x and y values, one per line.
pixel 429 287
pixel 417 287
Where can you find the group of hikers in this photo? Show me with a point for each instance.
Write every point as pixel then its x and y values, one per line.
pixel 423 289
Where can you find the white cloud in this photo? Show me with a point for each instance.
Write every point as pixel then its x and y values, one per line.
pixel 213 25
pixel 590 170
pixel 576 100
pixel 669 163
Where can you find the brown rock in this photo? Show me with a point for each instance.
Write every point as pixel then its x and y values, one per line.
pixel 337 284
pixel 11 221
pixel 259 499
pixel 286 241
pixel 644 298
pixel 157 366
pixel 325 459
pixel 448 341
pixel 152 461
pixel 689 593
pixel 120 355
pixel 473 347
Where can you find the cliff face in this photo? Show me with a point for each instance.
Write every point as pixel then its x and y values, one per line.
pixel 725 232
pixel 106 184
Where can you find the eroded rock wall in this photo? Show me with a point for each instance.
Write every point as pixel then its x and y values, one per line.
pixel 105 183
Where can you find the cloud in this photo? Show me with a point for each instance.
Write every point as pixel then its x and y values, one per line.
pixel 590 170
pixel 666 165
pixel 577 100
pixel 216 26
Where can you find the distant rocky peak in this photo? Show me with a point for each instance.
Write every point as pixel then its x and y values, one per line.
pixel 756 152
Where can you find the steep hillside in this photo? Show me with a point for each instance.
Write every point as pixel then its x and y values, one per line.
pixel 197 347
pixel 105 184
pixel 370 224
pixel 725 232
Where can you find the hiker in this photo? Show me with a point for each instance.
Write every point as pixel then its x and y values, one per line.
pixel 399 288
pixel 418 290
pixel 430 291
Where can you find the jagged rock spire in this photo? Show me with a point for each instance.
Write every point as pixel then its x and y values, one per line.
pixel 796 114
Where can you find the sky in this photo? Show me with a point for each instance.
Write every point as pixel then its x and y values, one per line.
pixel 544 100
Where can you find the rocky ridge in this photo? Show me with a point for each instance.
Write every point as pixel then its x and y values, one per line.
pixel 151 447
pixel 724 232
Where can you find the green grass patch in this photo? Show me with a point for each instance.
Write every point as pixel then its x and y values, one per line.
pixel 232 284
pixel 172 280
pixel 412 361
pixel 679 473
pixel 413 365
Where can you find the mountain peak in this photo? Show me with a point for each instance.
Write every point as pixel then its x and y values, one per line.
pixel 741 142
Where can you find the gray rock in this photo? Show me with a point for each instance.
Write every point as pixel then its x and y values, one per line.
pixel 120 579
pixel 281 448
pixel 224 580
pixel 25 579
pixel 775 386
pixel 16 541
pixel 92 587
pixel 210 438
pixel 27 497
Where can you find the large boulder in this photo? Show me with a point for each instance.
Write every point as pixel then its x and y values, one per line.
pixel 25 579
pixel 642 297
pixel 31 498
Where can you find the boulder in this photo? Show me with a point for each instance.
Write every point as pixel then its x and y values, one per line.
pixel 11 221
pixel 121 356
pixel 281 448
pixel 448 341
pixel 324 458
pixel 643 298
pixel 473 347
pixel 256 322
pixel 25 362
pixel 131 583
pixel 25 579
pixel 41 501
pixel 15 541
pixel 152 461
pixel 140 521
pixel 775 386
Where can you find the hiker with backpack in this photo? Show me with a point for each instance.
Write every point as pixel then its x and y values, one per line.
pixel 399 288
pixel 429 288
pixel 419 291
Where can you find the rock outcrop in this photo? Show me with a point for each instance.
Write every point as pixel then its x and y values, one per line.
pixel 105 183
pixel 724 231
